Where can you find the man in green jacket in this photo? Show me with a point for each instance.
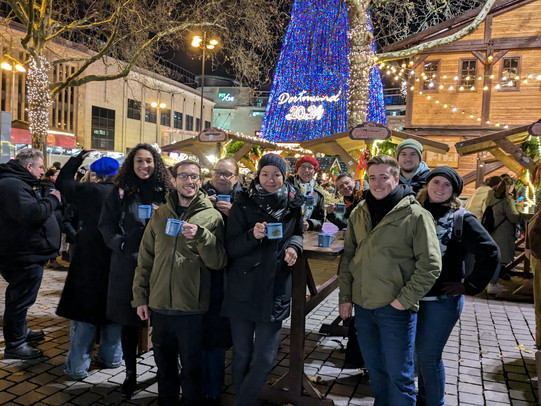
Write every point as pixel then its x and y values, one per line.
pixel 391 259
pixel 172 282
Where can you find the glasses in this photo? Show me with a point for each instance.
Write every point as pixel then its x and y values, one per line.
pixel 185 176
pixel 225 175
pixel 343 185
pixel 307 168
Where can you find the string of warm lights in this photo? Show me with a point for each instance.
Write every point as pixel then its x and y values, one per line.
pixel 39 97
pixel 404 73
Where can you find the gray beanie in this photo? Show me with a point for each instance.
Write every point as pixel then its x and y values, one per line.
pixel 410 143
pixel 274 160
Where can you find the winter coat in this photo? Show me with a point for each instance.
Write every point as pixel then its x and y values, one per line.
pixel 507 216
pixel 418 180
pixel 84 297
pixel 122 230
pixel 476 204
pixel 316 220
pixel 398 259
pixel 258 283
pixel 29 232
pixel 173 273
pixel 45 187
pixel 340 220
pixel 477 241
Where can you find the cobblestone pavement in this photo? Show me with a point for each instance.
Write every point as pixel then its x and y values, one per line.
pixel 489 359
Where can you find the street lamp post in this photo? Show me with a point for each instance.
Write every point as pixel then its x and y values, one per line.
pixel 203 43
pixel 158 106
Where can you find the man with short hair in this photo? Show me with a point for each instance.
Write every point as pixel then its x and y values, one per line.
pixel 224 181
pixel 172 282
pixel 29 236
pixel 352 194
pixel 391 260
pixel 413 170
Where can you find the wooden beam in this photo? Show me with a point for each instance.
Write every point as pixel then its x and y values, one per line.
pixel 243 151
pixel 499 55
pixel 350 162
pixel 517 154
pixel 507 161
pixel 432 145
pixel 471 176
pixel 492 137
pixel 202 158
pixel 499 43
pixel 480 57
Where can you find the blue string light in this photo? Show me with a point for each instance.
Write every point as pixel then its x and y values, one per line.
pixel 310 91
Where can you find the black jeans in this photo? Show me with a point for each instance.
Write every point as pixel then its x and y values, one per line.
pixel 21 293
pixel 174 336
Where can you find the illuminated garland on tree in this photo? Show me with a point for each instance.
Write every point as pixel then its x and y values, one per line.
pixel 310 90
pixel 39 100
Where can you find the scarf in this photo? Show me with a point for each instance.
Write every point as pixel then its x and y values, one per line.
pixel 443 220
pixel 307 189
pixel 379 208
pixel 273 203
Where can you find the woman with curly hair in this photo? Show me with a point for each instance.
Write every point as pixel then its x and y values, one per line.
pixel 143 179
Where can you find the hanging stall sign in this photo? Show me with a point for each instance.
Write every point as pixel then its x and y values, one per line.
pixel 212 134
pixel 370 131
pixel 535 129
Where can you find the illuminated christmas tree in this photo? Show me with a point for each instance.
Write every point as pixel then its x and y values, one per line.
pixel 309 96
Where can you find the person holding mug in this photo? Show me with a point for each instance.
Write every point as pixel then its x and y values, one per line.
pixel 338 213
pixel 143 179
pixel 258 293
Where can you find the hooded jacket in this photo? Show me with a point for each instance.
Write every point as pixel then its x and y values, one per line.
pixel 173 273
pixel 29 232
pixel 398 259
pixel 418 180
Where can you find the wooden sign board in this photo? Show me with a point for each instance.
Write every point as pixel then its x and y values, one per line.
pixel 535 129
pixel 433 159
pixel 212 135
pixel 370 131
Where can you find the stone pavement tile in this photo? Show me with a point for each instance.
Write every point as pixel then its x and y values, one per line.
pixel 30 398
pixel 22 388
pixel 339 400
pixel 42 379
pixel 6 397
pixel 521 395
pixel 470 388
pixel 451 400
pixel 59 398
pixel 501 397
pixel 496 386
pixel 87 398
pixel 20 376
pixel 51 388
pixel 471 398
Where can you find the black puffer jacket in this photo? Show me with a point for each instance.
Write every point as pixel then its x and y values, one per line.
pixel 29 232
pixel 122 230
pixel 84 297
pixel 258 284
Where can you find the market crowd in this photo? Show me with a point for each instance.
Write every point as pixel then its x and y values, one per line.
pixel 208 264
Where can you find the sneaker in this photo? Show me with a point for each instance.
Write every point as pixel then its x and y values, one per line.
pixel 23 351
pixel 495 289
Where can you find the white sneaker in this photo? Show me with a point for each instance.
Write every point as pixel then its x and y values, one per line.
pixel 495 289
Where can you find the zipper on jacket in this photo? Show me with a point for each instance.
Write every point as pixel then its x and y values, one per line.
pixel 171 273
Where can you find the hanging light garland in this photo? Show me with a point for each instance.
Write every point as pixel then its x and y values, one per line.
pixel 404 73
pixel 39 99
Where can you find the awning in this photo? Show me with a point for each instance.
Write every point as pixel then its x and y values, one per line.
pixel 54 139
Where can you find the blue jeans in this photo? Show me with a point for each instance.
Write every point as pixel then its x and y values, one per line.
pixel 386 337
pixel 213 371
pixel 249 380
pixel 435 322
pixel 82 336
pixel 21 293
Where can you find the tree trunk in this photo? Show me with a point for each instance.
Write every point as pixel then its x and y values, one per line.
pixel 361 60
pixel 39 100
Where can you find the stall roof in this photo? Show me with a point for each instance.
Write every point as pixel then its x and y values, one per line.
pixel 516 135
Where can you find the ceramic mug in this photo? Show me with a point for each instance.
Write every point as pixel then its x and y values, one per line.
pixel 173 227
pixel 144 211
pixel 310 200
pixel 325 240
pixel 340 208
pixel 274 231
pixel 223 198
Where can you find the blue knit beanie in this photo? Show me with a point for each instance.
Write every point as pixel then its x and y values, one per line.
pixel 105 166
pixel 274 160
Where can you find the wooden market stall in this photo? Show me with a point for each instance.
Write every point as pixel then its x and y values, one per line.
pixel 348 150
pixel 202 149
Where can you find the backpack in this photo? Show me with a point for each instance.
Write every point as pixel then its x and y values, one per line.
pixel 488 219
pixel 458 221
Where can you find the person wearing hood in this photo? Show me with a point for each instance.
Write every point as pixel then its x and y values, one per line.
pixel 172 282
pixel 413 170
pixel 29 236
pixel 313 210
pixel 258 292
pixel 84 297
pixel 440 308
pixel 391 260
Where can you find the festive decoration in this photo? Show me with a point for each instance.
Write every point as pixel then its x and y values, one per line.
pixel 309 97
pixel 39 100
pixel 361 166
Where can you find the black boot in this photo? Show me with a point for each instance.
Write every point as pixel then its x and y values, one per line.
pixel 33 336
pixel 23 351
pixel 129 385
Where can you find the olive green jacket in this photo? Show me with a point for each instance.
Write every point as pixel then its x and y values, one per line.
pixel 173 272
pixel 399 259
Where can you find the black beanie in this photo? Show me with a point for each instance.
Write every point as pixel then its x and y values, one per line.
pixel 451 175
pixel 274 160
